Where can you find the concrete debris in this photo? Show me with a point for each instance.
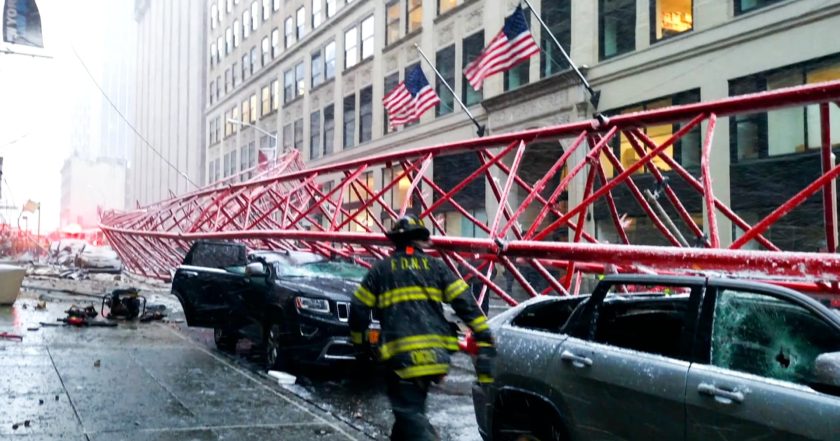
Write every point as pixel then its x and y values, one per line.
pixel 282 377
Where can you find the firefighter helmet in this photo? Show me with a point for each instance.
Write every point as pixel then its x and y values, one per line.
pixel 408 228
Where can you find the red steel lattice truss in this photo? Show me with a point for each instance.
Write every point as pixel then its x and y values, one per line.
pixel 286 207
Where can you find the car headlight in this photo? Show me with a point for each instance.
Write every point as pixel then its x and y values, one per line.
pixel 315 305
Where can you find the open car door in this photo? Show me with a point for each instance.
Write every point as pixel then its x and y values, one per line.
pixel 209 283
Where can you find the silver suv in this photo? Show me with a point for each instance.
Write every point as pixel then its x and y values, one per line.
pixel 665 358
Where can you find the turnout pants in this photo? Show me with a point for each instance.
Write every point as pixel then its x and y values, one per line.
pixel 408 402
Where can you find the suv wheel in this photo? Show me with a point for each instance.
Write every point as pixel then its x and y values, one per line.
pixel 275 356
pixel 225 339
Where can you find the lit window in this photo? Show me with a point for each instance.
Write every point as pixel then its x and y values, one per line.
pixel 445 6
pixel 414 13
pixel 255 14
pixel 265 95
pixel 351 56
pixel 367 37
pixel 316 66
pixel 617 27
pixel 275 43
pixel 670 17
pixel 317 14
pixel 392 22
pixel 329 60
pixel 289 28
pixel 246 24
pixel 237 32
pixel 301 22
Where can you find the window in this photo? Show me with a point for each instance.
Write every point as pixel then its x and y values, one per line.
pixel 213 53
pixel 617 27
pixel 246 110
pixel 742 6
pixel 246 24
pixel 472 48
pixel 232 171
pixel 288 142
pixel 214 13
pixel 414 15
pixel 237 32
pixel 266 9
pixel 367 38
pixel 218 128
pixel 253 108
pixel 228 125
pixel 520 74
pixel 212 89
pixel 315 134
pixel 235 116
pixel 266 51
pixel 275 94
pixel 254 64
pixel 220 45
pixel 289 28
pixel 228 6
pixel 349 120
pixel 246 66
pixel 351 54
pixel 317 67
pixel 365 114
pixel 265 97
pixel 783 131
pixel 255 14
pixel 445 6
pixel 275 42
pixel 212 131
pixel 686 151
pixel 391 82
pixel 445 63
pixel 243 158
pixel 236 76
pixel 557 15
pixel 392 22
pixel 670 17
pixel 276 5
pixel 329 129
pixel 218 86
pixel 221 13
pixel 226 164
pixel 301 22
pixel 762 335
pixel 331 8
pixel 329 60
pixel 300 82
pixel 317 15
pixel 288 85
pixel 299 134
pixel 228 80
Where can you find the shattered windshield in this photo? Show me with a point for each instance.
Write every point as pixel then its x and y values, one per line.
pixel 769 337
pixel 324 269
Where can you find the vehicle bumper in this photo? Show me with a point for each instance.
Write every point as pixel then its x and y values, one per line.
pixel 324 341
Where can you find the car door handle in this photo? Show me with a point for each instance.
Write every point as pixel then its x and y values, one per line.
pixel 721 395
pixel 576 360
pixel 189 274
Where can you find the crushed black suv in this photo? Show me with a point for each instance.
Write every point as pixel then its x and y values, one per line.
pixel 293 305
pixel 649 357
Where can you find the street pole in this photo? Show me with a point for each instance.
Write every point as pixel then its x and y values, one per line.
pixel 481 129
pixel 594 95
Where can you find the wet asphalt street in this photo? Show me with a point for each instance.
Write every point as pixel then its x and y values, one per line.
pixel 165 381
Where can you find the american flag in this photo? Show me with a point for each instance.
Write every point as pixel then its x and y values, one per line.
pixel 513 45
pixel 410 98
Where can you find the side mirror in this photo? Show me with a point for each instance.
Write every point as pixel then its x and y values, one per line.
pixel 827 369
pixel 255 269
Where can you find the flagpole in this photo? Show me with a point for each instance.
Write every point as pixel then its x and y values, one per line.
pixel 594 95
pixel 481 129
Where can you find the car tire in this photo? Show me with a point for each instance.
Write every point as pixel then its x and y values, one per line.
pixel 276 358
pixel 519 427
pixel 225 339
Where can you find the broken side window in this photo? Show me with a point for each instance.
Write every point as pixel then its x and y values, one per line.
pixel 762 335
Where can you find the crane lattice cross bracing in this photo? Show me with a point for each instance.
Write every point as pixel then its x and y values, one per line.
pixel 542 240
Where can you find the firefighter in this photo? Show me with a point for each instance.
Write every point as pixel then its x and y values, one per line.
pixel 408 289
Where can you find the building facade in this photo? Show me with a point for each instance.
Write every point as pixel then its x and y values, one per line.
pixel 169 101
pixel 312 74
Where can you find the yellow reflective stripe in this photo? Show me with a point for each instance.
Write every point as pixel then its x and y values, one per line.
pixel 365 296
pixel 455 289
pixel 407 294
pixel 482 344
pixel 423 370
pixel 426 341
pixel 484 378
pixel 478 321
pixel 481 328
pixel 356 338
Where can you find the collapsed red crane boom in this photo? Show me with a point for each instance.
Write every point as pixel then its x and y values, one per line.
pixel 290 207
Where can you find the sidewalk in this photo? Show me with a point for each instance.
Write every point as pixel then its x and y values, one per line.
pixel 138 382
